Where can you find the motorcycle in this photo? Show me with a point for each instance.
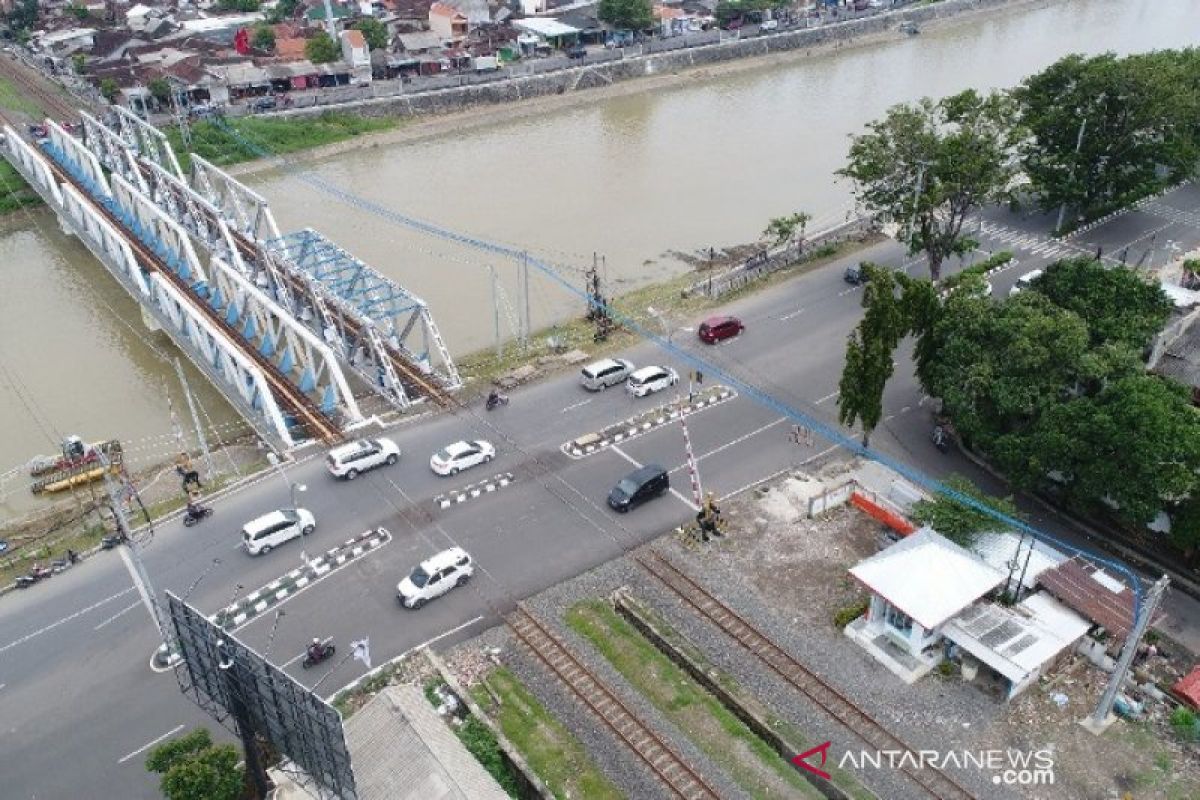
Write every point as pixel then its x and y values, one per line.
pixel 940 439
pixel 496 400
pixel 311 658
pixel 36 575
pixel 190 517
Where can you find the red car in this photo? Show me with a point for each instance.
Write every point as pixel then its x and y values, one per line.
pixel 715 329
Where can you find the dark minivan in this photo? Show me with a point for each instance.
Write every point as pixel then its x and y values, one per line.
pixel 716 329
pixel 639 486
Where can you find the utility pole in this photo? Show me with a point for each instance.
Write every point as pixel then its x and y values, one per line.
pixel 245 724
pixel 1062 209
pixel 597 306
pixel 329 26
pixel 132 557
pixel 1142 616
pixel 528 329
pixel 495 309
pixel 187 393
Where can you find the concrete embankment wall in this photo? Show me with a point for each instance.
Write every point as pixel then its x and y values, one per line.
pixel 603 74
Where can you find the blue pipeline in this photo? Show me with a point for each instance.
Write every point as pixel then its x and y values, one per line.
pixel 550 271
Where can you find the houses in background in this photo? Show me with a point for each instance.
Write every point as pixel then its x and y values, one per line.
pixel 156 56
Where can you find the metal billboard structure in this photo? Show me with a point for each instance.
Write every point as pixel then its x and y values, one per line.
pixel 255 699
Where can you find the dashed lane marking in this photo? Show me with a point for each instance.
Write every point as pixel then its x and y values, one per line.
pixel 635 463
pixel 66 619
pixel 574 406
pixel 119 614
pixel 795 313
pixel 150 744
pixel 829 396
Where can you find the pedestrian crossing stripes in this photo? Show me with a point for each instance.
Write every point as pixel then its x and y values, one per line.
pixel 1030 242
pixel 1171 213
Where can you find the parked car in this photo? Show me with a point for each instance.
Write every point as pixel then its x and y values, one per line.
pixel 716 329
pixel 605 373
pixel 853 274
pixel 769 25
pixel 644 483
pixel 351 460
pixel 1025 281
pixel 648 380
pixel 263 104
pixel 578 51
pixel 261 535
pixel 434 577
pixel 454 458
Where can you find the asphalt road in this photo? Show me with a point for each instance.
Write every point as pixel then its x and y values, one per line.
pixel 79 705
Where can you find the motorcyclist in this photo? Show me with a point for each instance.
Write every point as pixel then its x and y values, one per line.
pixel 316 650
pixel 194 509
pixel 494 398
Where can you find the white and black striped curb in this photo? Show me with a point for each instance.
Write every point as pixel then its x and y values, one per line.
pixel 473 490
pixel 1096 223
pixel 633 427
pixel 278 590
pixel 1007 265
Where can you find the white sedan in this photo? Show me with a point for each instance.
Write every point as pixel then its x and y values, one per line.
pixel 454 458
pixel 648 380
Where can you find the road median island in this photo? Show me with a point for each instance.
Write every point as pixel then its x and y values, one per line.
pixel 645 422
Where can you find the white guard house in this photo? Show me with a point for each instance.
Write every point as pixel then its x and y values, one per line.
pixel 916 586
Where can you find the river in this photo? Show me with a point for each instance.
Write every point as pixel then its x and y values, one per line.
pixel 634 177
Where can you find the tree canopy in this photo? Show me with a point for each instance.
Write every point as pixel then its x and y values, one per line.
pixel 375 32
pixel 1103 131
pixel 321 49
pixel 869 361
pixel 283 10
pixel 263 38
pixel 960 522
pixel 193 768
pixel 634 15
pixel 927 166
pixel 1118 305
pixel 787 229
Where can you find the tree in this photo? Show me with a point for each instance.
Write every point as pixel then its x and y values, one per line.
pixel 109 89
pixel 78 11
pixel 1118 304
pixel 1135 446
pixel 998 366
pixel 927 166
pixel 78 61
pixel 263 38
pixel 869 351
pixel 193 768
pixel 787 230
pixel 635 15
pixel 160 88
pixel 283 10
pixel 246 6
pixel 23 16
pixel 375 32
pixel 321 49
pixel 1104 131
pixel 958 521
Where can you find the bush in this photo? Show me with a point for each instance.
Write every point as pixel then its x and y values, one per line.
pixel 981 269
pixel 1186 724
pixel 478 739
pixel 847 614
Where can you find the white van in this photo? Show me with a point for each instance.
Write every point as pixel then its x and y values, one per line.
pixel 605 373
pixel 1025 282
pixel 271 530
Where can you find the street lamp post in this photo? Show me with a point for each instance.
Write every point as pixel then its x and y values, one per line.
pixel 658 315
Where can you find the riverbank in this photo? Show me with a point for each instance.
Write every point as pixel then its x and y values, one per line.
pixel 424 122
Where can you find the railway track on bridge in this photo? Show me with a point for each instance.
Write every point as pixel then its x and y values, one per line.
pixel 294 402
pixel 936 783
pixel 670 768
pixel 49 99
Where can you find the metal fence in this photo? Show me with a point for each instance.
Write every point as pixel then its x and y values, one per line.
pixel 761 265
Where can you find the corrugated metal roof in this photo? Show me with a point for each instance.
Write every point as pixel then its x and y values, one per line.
pixel 1090 591
pixel 402 750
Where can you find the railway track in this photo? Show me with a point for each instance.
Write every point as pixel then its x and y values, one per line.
pixel 935 782
pixel 50 100
pixel 667 765
pixel 294 402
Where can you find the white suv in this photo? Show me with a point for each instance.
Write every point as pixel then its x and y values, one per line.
pixel 651 379
pixel 271 530
pixel 434 577
pixel 350 460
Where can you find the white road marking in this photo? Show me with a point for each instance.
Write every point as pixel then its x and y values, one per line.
pixel 845 292
pixel 795 313
pixel 405 655
pixel 826 397
pixel 576 405
pixel 738 440
pixel 122 612
pixel 631 460
pixel 66 619
pixel 824 452
pixel 151 743
pixel 2 685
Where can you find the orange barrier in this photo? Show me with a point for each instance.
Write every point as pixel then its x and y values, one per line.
pixel 886 516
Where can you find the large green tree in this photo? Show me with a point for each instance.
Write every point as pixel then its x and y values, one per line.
pixel 375 32
pixel 634 15
pixel 1118 304
pixel 1135 444
pixel 1103 131
pixel 927 166
pixel 961 521
pixel 263 38
pixel 321 49
pixel 193 768
pixel 869 351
